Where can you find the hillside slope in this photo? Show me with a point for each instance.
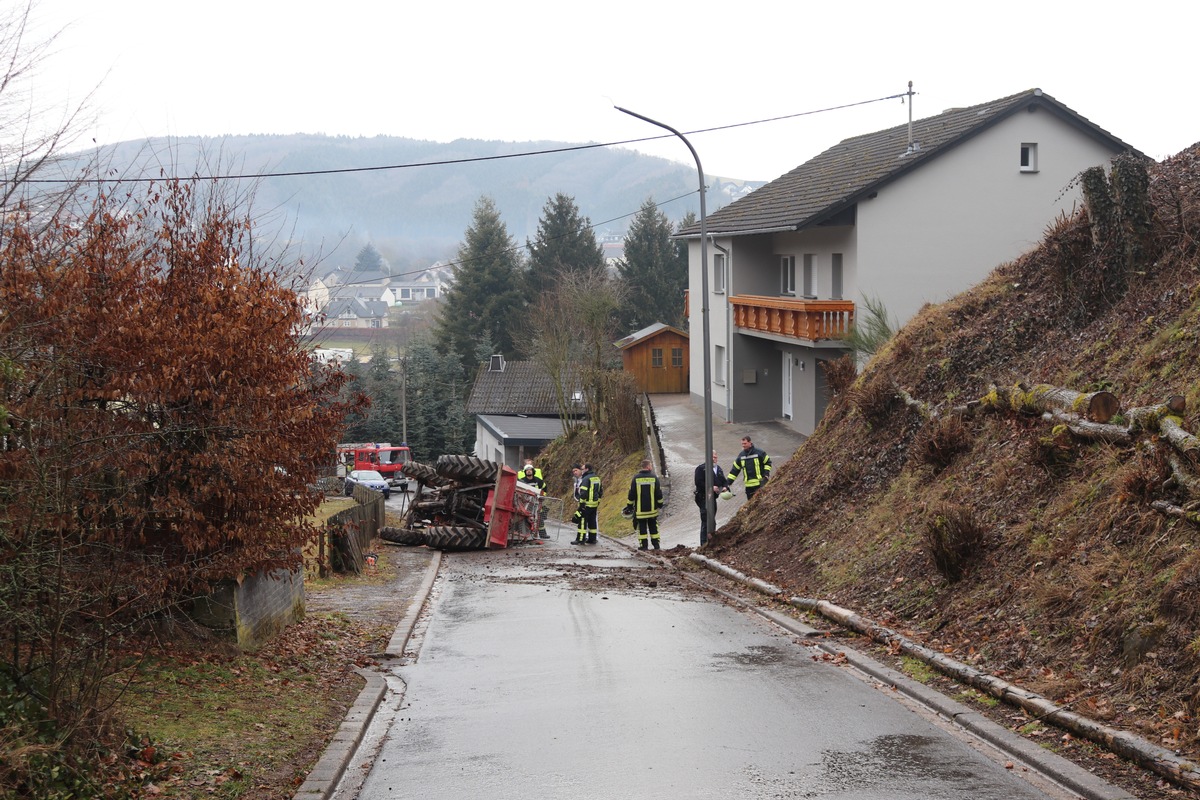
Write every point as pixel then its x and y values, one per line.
pixel 1071 584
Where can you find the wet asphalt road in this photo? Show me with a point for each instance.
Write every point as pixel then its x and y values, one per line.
pixel 553 671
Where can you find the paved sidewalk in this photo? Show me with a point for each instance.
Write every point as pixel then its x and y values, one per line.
pixel 681 427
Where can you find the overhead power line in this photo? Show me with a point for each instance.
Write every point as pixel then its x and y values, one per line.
pixel 476 159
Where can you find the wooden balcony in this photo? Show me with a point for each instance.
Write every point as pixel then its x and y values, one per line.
pixel 813 320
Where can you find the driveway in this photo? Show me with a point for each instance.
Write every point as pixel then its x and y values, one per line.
pixel 681 428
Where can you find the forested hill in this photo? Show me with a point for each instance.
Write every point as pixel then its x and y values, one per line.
pixel 416 212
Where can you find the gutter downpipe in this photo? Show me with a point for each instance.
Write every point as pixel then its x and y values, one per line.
pixel 710 505
pixel 728 330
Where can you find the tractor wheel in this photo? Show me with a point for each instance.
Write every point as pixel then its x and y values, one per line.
pixel 468 469
pixel 423 473
pixel 456 538
pixel 406 536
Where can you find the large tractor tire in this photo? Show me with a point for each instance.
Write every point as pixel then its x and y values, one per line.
pixel 468 469
pixel 406 536
pixel 456 538
pixel 423 473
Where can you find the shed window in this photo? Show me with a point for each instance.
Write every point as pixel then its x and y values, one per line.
pixel 676 357
pixel 656 357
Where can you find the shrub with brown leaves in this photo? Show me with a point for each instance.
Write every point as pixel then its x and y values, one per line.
pixel 954 539
pixel 940 441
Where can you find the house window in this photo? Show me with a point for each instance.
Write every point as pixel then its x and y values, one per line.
pixel 810 266
pixel 719 365
pixel 656 357
pixel 677 357
pixel 406 294
pixel 374 323
pixel 1029 157
pixel 835 277
pixel 718 286
pixel 347 323
pixel 787 275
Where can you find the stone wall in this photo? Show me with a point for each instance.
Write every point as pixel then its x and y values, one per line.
pixel 255 609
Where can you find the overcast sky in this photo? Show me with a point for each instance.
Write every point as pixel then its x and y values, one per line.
pixel 528 70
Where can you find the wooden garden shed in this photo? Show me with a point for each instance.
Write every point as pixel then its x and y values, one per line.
pixel 657 357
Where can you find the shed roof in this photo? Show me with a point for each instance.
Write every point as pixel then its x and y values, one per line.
pixel 646 333
pixel 516 431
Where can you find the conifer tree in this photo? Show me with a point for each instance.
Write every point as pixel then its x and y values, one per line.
pixel 486 302
pixel 369 260
pixel 435 387
pixel 653 272
pixel 565 245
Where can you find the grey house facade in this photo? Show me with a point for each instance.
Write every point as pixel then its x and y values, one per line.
pixel 909 215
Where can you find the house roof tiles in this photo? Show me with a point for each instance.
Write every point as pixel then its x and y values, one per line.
pixel 521 387
pixel 833 181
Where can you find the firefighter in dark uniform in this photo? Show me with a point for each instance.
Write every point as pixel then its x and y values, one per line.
pixel 756 465
pixel 646 498
pixel 530 476
pixel 589 493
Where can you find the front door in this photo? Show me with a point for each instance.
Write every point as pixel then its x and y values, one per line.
pixel 787 385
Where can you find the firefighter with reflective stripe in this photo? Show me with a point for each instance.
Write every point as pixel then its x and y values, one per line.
pixel 756 465
pixel 645 500
pixel 588 494
pixel 529 475
pixel 537 472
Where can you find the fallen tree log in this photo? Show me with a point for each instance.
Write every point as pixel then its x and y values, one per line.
pixel 920 406
pixel 1092 406
pixel 1094 431
pixel 1172 510
pixel 1147 418
pixel 1181 477
pixel 1185 443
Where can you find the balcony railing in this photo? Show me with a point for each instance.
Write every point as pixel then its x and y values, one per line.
pixel 801 319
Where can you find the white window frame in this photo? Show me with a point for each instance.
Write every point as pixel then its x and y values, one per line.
pixel 1029 157
pixel 718 274
pixel 718 365
pixel 837 288
pixel 787 276
pixel 809 275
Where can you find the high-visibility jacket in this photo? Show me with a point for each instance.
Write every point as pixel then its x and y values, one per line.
pixel 536 480
pixel 755 463
pixel 537 473
pixel 645 495
pixel 590 491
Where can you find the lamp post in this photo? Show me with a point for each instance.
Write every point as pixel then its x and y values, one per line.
pixel 710 511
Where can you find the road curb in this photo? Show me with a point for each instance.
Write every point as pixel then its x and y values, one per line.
pixel 403 632
pixel 323 779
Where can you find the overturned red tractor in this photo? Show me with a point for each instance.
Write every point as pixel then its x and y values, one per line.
pixel 466 503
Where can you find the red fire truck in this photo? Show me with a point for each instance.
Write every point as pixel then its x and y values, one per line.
pixel 382 457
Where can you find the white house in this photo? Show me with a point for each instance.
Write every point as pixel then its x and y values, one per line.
pixel 908 215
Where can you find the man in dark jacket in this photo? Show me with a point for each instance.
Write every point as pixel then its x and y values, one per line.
pixel 753 465
pixel 588 494
pixel 720 483
pixel 645 499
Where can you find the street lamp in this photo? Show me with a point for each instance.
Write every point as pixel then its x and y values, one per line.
pixel 710 511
